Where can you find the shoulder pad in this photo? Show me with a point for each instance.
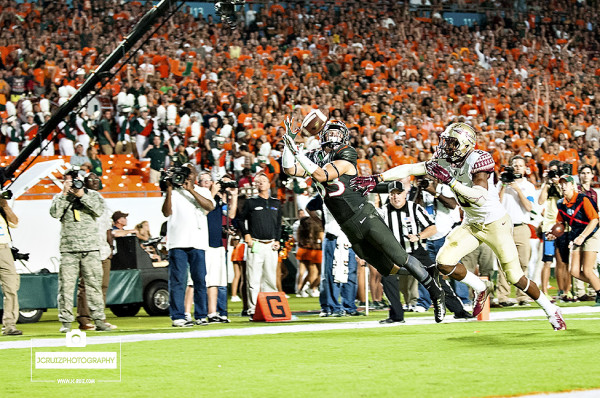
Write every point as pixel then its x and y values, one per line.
pixel 345 152
pixel 485 162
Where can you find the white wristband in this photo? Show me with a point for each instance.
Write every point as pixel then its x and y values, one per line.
pixel 287 158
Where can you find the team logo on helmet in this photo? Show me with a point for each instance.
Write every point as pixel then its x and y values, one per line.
pixel 456 143
pixel 334 133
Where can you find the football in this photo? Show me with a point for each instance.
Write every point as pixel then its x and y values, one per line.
pixel 558 229
pixel 313 123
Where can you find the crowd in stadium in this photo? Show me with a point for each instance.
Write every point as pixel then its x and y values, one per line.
pixel 397 75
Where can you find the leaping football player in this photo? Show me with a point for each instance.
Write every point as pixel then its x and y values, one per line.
pixel 469 173
pixel 331 167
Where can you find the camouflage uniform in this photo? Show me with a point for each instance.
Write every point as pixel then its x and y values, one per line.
pixel 79 248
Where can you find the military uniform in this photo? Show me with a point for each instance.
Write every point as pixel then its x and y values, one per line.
pixel 79 248
pixel 371 238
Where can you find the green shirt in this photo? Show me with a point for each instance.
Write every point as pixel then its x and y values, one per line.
pixel 157 158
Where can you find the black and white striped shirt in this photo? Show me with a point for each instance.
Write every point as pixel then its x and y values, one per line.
pixel 410 219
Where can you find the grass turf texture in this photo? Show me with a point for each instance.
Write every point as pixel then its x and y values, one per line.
pixel 459 360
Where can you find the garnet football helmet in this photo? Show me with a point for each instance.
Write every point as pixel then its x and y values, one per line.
pixel 456 143
pixel 334 133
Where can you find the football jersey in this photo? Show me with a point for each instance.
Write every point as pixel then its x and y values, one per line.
pixel 476 162
pixel 339 197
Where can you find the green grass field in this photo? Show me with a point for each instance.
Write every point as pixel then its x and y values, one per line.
pixel 466 359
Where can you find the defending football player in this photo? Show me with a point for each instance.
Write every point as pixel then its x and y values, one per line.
pixel 331 167
pixel 469 173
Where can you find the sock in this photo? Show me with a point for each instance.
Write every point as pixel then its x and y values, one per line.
pixel 212 315
pixel 473 281
pixel 548 307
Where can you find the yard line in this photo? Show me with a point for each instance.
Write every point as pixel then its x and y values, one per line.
pixel 281 328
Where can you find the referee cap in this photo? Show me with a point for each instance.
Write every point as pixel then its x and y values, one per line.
pixel 396 185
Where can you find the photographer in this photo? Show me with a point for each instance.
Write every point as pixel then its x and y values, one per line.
pixel 516 195
pixel 78 208
pixel 157 154
pixel 550 193
pixel 225 194
pixel 9 279
pixel 186 207
pixel 92 181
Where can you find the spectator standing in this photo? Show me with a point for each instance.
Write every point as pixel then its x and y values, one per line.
pixel 9 279
pixel 309 254
pixel 186 208
pixel 157 154
pixel 260 222
pixel 78 210
pixel 79 158
pixel 105 133
pixel 578 211
pixel 517 198
pixel 550 193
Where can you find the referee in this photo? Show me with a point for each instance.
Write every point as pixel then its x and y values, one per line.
pixel 260 223
pixel 411 225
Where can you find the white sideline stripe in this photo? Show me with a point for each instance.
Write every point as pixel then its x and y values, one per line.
pixel 277 329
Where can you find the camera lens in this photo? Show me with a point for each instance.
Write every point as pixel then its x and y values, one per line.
pixel 77 184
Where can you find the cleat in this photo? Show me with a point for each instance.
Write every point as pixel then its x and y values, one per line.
pixel 439 308
pixel 557 321
pixel 439 303
pixel 481 297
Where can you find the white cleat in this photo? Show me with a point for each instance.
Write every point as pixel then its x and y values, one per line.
pixel 557 321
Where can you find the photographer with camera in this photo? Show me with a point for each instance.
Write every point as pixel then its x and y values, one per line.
pixel 9 279
pixel 78 209
pixel 550 193
pixel 157 153
pixel 92 181
pixel 516 195
pixel 225 195
pixel 186 206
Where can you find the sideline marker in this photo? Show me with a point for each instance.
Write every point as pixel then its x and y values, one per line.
pixel 272 307
pixel 484 315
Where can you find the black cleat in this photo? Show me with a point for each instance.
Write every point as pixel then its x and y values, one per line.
pixel 439 305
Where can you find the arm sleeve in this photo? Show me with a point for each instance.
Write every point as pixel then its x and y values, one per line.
pixel 403 171
pixel 476 195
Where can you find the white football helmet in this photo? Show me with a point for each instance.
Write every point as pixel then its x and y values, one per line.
pixel 456 143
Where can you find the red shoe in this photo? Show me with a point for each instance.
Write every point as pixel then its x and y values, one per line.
pixel 557 321
pixel 481 297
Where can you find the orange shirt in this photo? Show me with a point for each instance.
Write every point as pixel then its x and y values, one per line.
pixel 570 156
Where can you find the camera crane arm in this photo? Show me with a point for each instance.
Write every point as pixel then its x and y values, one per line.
pixel 139 30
